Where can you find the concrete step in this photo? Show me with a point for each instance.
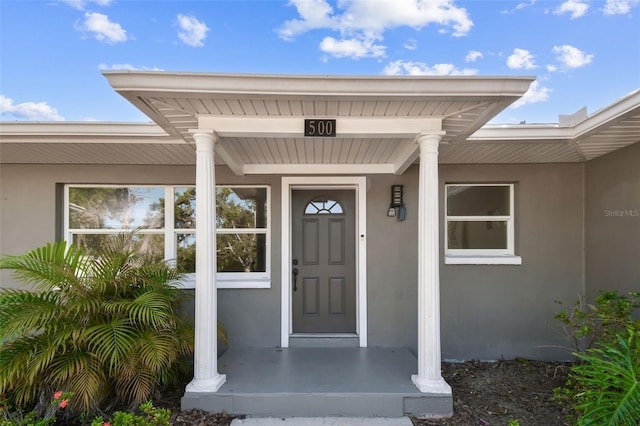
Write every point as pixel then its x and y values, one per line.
pixel 322 421
pixel 320 382
pixel 321 404
pixel 324 341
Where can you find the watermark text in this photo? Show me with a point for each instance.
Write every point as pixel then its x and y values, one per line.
pixel 622 212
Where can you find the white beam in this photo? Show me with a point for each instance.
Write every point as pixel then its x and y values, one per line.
pixel 346 127
pixel 232 161
pixel 409 153
pixel 317 169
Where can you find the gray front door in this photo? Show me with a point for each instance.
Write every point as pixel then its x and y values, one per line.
pixel 323 261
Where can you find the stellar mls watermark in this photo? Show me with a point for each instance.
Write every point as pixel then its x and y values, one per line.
pixel 621 212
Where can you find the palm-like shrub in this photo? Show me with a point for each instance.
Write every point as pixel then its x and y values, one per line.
pixel 609 383
pixel 104 327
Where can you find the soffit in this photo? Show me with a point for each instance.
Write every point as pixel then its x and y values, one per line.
pixel 180 103
pixel 613 127
pixel 91 143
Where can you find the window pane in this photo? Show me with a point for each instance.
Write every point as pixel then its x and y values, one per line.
pixel 323 206
pixel 185 208
pixel 477 235
pixel 241 252
pixel 478 200
pixel 241 207
pixel 186 261
pixel 152 245
pixel 116 208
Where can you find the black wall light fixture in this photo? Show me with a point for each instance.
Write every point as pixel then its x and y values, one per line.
pixel 397 208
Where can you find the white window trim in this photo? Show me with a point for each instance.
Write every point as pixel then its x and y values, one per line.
pixel 224 280
pixel 479 256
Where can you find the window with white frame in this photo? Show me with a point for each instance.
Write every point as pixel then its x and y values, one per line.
pixel 479 222
pixel 165 222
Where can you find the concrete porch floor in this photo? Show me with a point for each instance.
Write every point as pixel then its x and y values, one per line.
pixel 309 382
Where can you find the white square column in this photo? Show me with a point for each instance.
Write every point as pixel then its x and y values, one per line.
pixel 205 357
pixel 429 378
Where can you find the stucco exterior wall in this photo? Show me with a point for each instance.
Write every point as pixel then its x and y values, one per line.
pixel 28 220
pixel 488 312
pixel 613 222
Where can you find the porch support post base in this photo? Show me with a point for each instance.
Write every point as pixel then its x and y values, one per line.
pixel 425 385
pixel 211 384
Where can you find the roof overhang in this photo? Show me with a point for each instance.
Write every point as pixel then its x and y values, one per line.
pixel 608 129
pixel 259 120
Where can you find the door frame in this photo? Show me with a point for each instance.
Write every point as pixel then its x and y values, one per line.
pixel 359 185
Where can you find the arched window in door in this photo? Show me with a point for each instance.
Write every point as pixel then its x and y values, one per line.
pixel 323 206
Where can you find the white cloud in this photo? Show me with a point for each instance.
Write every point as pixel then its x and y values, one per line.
pixel 366 21
pixel 619 7
pixel 519 6
pixel 126 67
pixel 521 58
pixel 420 68
pixel 552 68
pixel 34 111
pixel 352 48
pixel 572 57
pixel 410 44
pixel 192 32
pixel 81 4
pixel 576 8
pixel 102 28
pixel 473 56
pixel 535 94
pixel 315 14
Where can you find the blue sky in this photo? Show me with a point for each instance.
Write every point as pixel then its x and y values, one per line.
pixel 584 53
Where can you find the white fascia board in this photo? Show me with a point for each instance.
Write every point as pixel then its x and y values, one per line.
pixel 346 127
pixel 163 83
pixel 20 128
pixel 526 132
pixel 317 169
pixel 604 116
pixel 87 132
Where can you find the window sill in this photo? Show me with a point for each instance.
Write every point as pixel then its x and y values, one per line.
pixel 482 260
pixel 190 284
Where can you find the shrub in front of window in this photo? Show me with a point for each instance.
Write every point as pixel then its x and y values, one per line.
pixel 102 325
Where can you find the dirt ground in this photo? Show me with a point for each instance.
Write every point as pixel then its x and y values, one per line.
pixel 494 393
pixel 484 394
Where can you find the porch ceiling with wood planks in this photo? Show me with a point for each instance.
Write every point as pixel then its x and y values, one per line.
pixel 260 120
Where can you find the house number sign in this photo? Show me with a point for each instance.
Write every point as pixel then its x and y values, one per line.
pixel 320 127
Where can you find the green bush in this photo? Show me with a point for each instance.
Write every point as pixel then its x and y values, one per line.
pixel 104 327
pixel 588 325
pixel 608 380
pixel 150 416
pixel 603 387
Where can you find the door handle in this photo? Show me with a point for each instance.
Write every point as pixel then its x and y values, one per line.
pixel 295 279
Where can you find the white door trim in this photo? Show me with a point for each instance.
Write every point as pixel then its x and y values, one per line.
pixel 359 184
